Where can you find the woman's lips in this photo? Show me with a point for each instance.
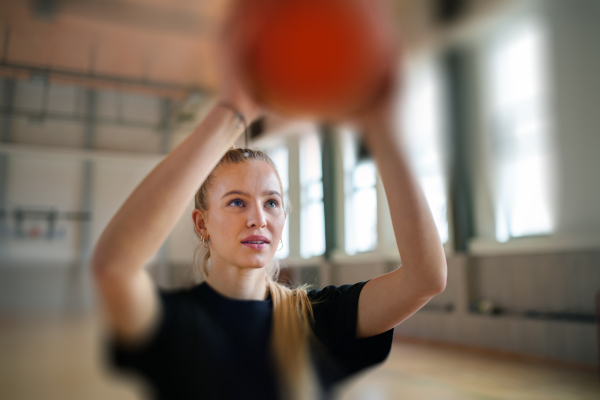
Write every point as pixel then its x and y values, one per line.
pixel 256 246
pixel 256 242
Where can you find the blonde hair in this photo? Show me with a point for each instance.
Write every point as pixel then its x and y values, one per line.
pixel 292 309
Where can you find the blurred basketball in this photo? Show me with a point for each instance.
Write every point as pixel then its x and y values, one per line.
pixel 313 58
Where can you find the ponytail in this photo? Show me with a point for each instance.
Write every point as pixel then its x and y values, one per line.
pixel 290 332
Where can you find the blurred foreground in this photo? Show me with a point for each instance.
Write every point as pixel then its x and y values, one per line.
pixel 61 359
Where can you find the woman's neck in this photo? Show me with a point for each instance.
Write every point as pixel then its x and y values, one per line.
pixel 238 283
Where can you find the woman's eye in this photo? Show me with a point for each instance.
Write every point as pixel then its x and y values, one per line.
pixel 236 201
pixel 272 203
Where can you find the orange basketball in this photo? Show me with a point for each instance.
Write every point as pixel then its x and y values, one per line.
pixel 313 58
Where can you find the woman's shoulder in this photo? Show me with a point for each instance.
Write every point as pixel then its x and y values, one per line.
pixel 335 312
pixel 335 307
pixel 333 293
pixel 177 306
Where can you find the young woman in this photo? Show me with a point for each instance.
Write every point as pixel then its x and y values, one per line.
pixel 239 334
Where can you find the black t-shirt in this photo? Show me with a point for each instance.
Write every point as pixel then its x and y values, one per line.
pixel 207 346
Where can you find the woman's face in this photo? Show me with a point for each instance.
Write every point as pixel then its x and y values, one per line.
pixel 245 200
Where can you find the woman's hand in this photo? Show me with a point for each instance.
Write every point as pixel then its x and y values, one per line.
pixel 378 116
pixel 232 89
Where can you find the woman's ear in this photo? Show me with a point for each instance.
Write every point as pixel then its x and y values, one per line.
pixel 198 217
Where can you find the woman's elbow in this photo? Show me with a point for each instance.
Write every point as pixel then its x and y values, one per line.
pixel 99 265
pixel 439 286
pixel 436 285
pixel 105 269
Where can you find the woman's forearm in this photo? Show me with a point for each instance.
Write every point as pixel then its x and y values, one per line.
pixel 144 221
pixel 418 241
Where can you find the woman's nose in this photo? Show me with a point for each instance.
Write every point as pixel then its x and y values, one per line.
pixel 256 217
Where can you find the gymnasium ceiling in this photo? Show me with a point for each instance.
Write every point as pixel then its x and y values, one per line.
pixel 127 42
pixel 170 43
pixel 164 47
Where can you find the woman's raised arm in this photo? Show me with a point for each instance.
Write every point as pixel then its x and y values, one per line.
pixel 144 221
pixel 389 299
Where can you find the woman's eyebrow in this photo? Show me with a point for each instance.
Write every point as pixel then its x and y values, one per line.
pixel 267 193
pixel 271 192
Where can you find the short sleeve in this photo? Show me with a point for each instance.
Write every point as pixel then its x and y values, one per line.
pixel 335 310
pixel 149 356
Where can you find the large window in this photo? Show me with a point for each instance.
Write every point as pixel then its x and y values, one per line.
pixel 424 125
pixel 520 128
pixel 312 218
pixel 280 157
pixel 360 197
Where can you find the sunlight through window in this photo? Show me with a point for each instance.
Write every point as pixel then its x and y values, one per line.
pixel 360 198
pixel 521 153
pixel 312 217
pixel 280 157
pixel 424 123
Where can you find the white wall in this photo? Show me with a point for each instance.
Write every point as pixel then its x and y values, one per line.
pixel 575 68
pixel 45 171
pixel 47 183
pixel 113 182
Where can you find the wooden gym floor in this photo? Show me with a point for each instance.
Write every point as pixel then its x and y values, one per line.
pixel 60 359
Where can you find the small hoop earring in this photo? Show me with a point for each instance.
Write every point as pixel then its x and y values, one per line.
pixel 205 243
pixel 280 241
